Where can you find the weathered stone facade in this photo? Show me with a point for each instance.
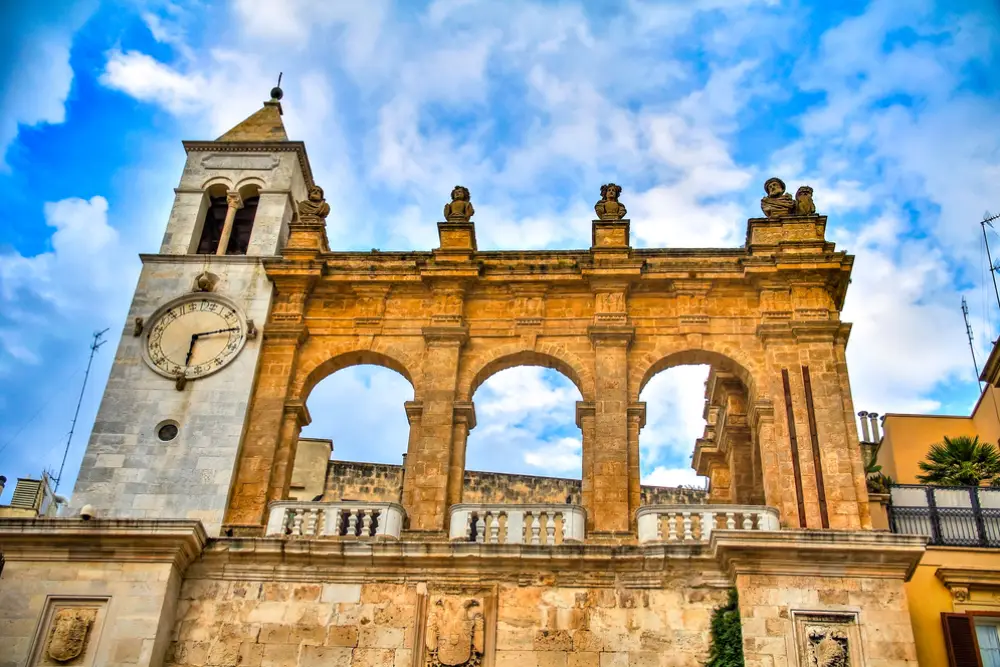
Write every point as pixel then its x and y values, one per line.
pixel 268 577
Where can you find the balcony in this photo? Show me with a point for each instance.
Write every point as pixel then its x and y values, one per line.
pixel 956 516
pixel 345 519
pixel 517 524
pixel 695 523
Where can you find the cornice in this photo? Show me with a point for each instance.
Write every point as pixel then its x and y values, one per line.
pixel 178 542
pixel 150 258
pixel 862 553
pixel 967 577
pixel 297 147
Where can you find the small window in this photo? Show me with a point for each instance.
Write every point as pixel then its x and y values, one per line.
pixel 215 220
pixel 988 634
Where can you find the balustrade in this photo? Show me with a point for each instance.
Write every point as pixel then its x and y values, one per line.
pixel 345 519
pixel 695 523
pixel 517 524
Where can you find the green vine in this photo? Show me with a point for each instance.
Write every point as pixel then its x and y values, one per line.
pixel 726 649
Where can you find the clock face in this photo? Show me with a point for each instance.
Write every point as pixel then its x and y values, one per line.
pixel 194 337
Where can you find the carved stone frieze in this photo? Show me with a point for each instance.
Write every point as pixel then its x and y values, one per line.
pixel 69 633
pixel 828 639
pixel 456 631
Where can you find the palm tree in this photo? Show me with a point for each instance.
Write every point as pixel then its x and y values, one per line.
pixel 960 461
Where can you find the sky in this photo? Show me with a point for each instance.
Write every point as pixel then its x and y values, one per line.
pixel 888 109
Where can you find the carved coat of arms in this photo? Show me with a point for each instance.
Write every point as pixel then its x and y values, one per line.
pixel 70 629
pixel 455 635
pixel 827 647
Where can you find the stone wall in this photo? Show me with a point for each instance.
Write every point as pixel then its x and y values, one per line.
pixel 257 623
pixel 384 482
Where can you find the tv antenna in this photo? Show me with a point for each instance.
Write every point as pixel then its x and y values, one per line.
pixel 972 348
pixel 94 346
pixel 988 220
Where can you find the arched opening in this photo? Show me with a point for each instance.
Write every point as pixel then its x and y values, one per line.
pixel 220 200
pixel 526 446
pixel 355 445
pixel 698 435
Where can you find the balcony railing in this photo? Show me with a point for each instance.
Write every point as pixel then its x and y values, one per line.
pixel 695 523
pixel 346 519
pixel 518 524
pixel 961 516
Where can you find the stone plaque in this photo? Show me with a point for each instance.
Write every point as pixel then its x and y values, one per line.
pixel 458 628
pixel 827 639
pixel 68 633
pixel 242 161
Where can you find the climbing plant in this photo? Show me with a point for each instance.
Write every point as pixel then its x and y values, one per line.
pixel 726 649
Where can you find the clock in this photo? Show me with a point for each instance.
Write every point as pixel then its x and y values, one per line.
pixel 194 336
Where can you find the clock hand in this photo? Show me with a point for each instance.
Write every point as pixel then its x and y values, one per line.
pixel 217 331
pixel 187 359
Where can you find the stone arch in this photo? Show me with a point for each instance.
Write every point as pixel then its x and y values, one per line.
pixel 317 365
pixel 215 181
pixel 249 186
pixel 732 359
pixel 557 358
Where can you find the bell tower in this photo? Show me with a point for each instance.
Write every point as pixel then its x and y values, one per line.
pixel 167 434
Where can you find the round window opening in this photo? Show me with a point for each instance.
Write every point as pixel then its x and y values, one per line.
pixel 167 432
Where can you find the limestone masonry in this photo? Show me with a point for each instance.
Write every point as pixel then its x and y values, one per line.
pixel 204 531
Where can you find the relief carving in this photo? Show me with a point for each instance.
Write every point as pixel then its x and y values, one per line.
pixel 828 646
pixel 455 632
pixel 70 631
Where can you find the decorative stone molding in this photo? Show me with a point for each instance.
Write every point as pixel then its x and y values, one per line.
pixel 213 147
pixel 827 639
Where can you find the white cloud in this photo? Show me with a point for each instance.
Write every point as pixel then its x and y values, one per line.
pixel 662 476
pixel 675 400
pixel 39 51
pixel 562 457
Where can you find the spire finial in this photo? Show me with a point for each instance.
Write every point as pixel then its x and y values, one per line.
pixel 276 92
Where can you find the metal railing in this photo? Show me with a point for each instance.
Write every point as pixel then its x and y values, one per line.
pixel 961 516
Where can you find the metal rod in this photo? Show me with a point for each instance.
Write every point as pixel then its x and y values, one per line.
pixel 968 332
pixel 987 219
pixel 97 343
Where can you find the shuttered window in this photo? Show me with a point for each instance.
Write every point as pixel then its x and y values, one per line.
pixel 960 638
pixel 989 644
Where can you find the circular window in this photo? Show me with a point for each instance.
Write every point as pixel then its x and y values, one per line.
pixel 167 431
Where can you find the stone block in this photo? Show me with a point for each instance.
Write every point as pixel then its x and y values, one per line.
pixel 324 656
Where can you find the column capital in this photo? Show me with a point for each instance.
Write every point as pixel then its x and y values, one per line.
pixel 286 333
pixel 298 410
pixel 445 336
pixel 611 335
pixel 584 409
pixel 637 412
pixel 761 411
pixel 233 199
pixel 465 412
pixel 414 411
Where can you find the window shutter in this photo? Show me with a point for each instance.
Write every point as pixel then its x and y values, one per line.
pixel 960 639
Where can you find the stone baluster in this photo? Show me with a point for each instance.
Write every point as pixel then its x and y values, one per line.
pixel 747 521
pixel 672 526
pixel 352 522
pixel 469 520
pixel 310 521
pixel 707 524
pixel 494 529
pixel 336 522
pixel 550 528
pixel 688 535
pixel 659 526
pixel 366 524
pixel 536 528
pixel 730 521
pixel 481 528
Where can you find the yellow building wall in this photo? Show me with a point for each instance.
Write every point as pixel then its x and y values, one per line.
pixel 986 416
pixel 929 598
pixel 907 439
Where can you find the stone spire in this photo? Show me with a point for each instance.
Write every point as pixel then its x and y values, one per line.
pixel 264 125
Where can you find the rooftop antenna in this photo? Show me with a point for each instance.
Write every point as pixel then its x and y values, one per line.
pixel 972 348
pixel 988 220
pixel 94 346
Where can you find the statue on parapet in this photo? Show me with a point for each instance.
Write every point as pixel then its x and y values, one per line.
pixel 460 208
pixel 609 208
pixel 777 203
pixel 315 206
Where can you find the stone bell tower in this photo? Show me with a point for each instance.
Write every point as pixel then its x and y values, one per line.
pixel 167 434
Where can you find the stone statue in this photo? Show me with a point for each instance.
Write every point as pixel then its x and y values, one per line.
pixel 455 633
pixel 804 201
pixel 609 208
pixel 777 203
pixel 315 206
pixel 460 208
pixel 70 630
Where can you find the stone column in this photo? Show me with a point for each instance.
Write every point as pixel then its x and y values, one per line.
pixel 585 422
pixel 780 486
pixel 414 413
pixel 235 203
pixel 636 420
pixel 464 421
pixel 610 507
pixel 429 464
pixel 264 466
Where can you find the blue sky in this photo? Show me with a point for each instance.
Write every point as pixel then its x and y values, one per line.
pixel 888 109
